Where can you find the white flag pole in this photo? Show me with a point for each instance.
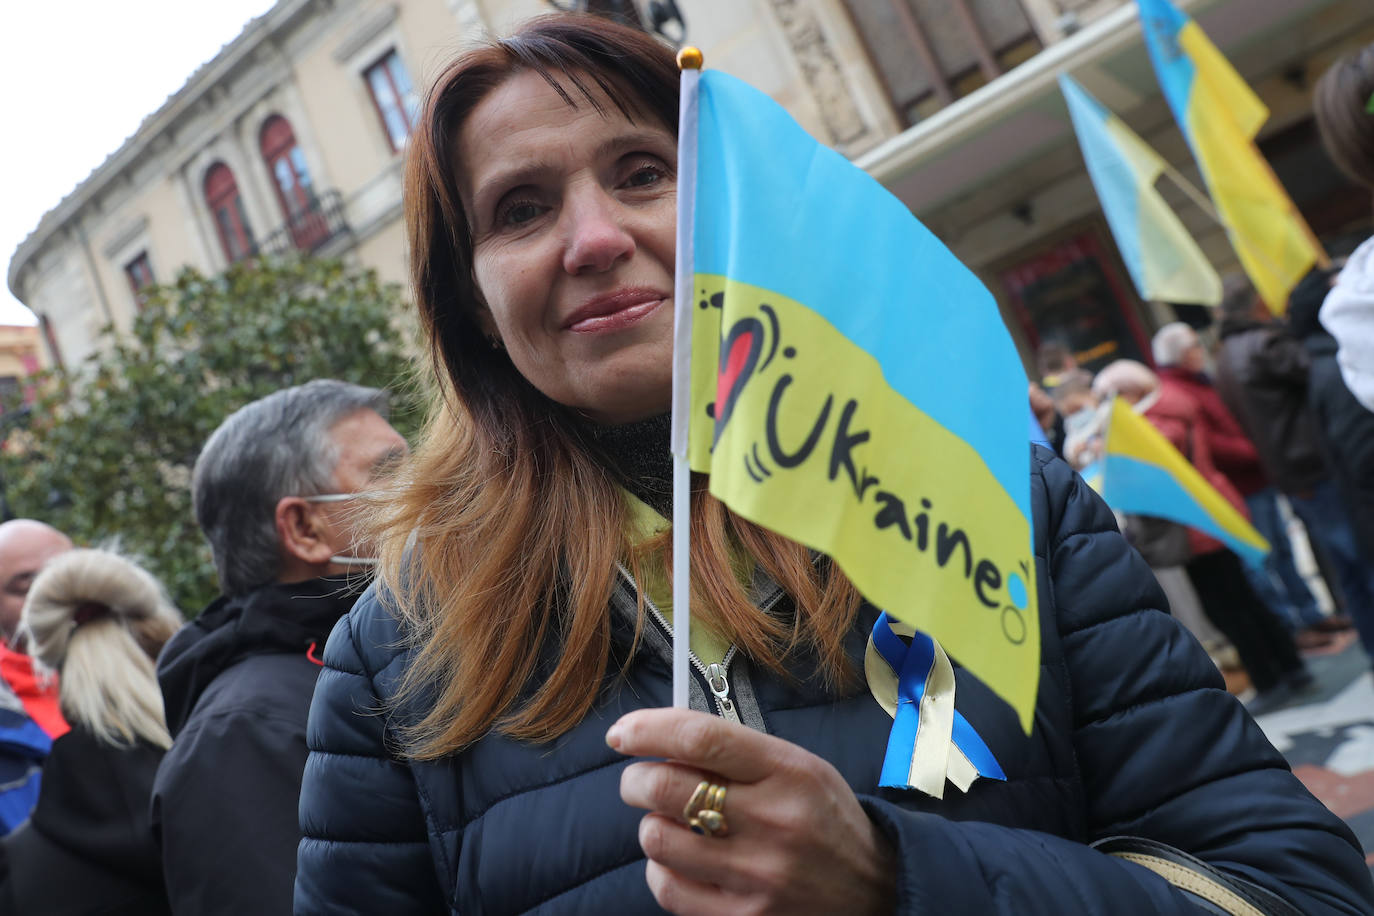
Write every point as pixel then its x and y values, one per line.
pixel 689 63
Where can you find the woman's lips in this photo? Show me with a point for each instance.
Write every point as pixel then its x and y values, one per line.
pixel 611 313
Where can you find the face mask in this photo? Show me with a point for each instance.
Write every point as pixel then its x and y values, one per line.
pixel 1080 420
pixel 341 559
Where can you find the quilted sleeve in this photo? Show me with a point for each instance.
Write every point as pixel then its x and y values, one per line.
pixel 1165 754
pixel 364 846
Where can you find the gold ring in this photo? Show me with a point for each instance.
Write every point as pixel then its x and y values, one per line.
pixel 705 810
pixel 697 801
pixel 712 821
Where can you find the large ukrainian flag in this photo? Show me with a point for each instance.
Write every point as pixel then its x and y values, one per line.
pixel 854 388
pixel 1163 260
pixel 1141 473
pixel 1220 116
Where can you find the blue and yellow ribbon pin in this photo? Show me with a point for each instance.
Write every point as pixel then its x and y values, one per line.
pixel 931 741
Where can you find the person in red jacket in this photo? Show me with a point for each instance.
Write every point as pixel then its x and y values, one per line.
pixel 1218 576
pixel 1182 363
pixel 26 546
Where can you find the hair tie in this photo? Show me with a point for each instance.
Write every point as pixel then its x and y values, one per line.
pixel 87 611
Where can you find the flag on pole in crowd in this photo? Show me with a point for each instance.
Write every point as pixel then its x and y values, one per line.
pixel 1163 260
pixel 853 387
pixel 1141 473
pixel 1220 116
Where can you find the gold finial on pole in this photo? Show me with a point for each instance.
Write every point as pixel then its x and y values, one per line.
pixel 689 58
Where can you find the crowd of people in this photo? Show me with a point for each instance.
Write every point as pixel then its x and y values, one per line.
pixel 1243 418
pixel 171 755
pixel 1277 411
pixel 440 681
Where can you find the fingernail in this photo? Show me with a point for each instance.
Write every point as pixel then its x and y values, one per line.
pixel 613 737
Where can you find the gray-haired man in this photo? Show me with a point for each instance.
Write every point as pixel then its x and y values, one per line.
pixel 272 491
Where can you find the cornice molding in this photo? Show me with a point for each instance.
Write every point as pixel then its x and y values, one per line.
pixel 369 28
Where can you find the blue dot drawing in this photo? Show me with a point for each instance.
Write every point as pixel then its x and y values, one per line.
pixel 1016 588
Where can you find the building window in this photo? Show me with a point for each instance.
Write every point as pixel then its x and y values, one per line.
pixel 139 271
pixel 397 104
pixel 287 165
pixel 226 206
pixel 305 223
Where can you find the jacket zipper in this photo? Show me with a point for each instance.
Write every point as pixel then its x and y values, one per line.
pixel 720 688
pixel 716 675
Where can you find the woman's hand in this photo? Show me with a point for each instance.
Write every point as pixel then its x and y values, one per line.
pixel 797 842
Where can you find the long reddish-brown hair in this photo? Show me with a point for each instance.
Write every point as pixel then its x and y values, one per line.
pixel 517 526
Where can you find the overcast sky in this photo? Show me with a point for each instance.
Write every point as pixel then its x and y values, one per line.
pixel 79 76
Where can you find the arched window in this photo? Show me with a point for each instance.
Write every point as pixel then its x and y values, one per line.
pixel 291 177
pixel 226 205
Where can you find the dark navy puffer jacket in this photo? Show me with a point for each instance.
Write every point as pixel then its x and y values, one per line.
pixel 1134 734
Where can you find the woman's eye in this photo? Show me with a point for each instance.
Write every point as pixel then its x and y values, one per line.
pixel 518 213
pixel 643 177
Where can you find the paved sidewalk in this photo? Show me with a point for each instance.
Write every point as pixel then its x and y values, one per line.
pixel 1329 737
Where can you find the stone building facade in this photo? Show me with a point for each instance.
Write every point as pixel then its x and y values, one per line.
pixel 293 137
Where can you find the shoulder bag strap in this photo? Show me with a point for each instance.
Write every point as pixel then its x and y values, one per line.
pixel 1211 889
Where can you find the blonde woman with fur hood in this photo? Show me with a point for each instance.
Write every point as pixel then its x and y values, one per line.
pixel 98 621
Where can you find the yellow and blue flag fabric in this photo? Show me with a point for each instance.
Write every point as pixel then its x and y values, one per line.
pixel 853 386
pixel 1163 260
pixel 1141 473
pixel 1220 116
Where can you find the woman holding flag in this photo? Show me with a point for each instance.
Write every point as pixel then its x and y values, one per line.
pixel 486 736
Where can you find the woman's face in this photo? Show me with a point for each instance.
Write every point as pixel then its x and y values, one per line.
pixel 1133 395
pixel 573 226
pixel 1194 358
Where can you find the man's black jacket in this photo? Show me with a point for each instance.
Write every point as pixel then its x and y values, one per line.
pixel 237 683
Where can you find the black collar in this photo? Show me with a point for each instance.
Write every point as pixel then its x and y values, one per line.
pixel 638 456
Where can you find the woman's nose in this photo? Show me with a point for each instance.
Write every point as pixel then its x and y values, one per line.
pixel 597 238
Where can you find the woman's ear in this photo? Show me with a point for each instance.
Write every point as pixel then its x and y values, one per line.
pixel 302 536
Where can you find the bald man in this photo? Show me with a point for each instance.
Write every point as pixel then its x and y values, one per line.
pixel 26 545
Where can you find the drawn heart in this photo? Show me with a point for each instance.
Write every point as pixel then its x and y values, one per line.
pixel 739 356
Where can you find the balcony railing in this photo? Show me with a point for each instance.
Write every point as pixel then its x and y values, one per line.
pixel 930 52
pixel 308 229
